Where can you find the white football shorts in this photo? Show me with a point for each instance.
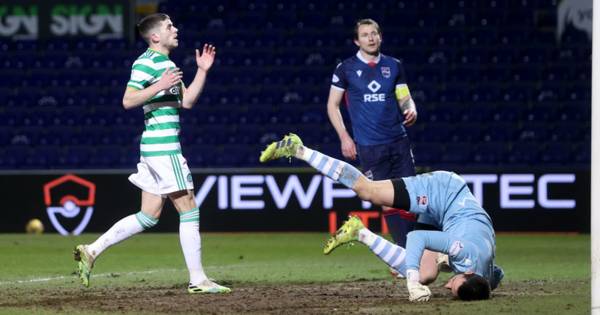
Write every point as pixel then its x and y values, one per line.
pixel 162 175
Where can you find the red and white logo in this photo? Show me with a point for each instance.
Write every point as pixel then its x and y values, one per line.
pixel 422 200
pixel 69 205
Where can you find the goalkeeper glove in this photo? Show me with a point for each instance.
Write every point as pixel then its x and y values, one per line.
pixel 416 291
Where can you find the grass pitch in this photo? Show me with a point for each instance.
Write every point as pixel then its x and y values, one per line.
pixel 276 273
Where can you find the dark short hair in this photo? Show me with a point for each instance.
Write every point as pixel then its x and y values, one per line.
pixel 361 22
pixel 146 24
pixel 475 288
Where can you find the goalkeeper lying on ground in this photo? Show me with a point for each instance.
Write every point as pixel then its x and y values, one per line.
pixel 467 234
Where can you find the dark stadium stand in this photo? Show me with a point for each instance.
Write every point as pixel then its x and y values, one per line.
pixel 492 85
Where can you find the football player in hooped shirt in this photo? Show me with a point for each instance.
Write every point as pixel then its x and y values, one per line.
pixel 380 106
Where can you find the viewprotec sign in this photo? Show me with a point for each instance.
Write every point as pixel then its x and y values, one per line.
pixel 535 191
pixel 254 192
pixel 288 200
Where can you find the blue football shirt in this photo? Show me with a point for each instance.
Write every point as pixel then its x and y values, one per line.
pixel 371 99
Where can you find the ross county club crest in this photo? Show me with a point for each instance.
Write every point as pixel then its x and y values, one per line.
pixel 386 72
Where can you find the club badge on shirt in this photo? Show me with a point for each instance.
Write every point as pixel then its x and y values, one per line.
pixel 386 72
pixel 422 200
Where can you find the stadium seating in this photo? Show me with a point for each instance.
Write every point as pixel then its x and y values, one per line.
pixel 492 85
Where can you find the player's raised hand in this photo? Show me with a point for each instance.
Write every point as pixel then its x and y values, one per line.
pixel 205 59
pixel 348 148
pixel 170 77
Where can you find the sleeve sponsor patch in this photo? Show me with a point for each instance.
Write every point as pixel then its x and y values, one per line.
pixel 335 79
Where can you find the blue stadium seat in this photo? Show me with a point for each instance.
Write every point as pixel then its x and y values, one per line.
pixel 490 153
pixel 524 153
pixel 582 154
pixel 427 153
pixel 496 84
pixel 535 131
pixel 457 153
pixel 557 153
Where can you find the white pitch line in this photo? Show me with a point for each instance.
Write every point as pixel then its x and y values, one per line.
pixel 112 274
pixel 133 273
pixel 100 275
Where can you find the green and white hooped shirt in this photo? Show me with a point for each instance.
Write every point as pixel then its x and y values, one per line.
pixel 161 112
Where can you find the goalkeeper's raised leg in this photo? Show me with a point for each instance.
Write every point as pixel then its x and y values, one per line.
pixel 292 146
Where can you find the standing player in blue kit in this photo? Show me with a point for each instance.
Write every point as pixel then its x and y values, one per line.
pixel 380 106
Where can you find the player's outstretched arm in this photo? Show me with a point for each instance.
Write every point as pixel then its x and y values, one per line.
pixel 204 61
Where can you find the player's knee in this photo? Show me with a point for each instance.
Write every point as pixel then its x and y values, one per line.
pixel 183 200
pixel 411 235
pixel 475 288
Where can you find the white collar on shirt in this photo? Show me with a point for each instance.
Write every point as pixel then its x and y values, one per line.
pixel 361 58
